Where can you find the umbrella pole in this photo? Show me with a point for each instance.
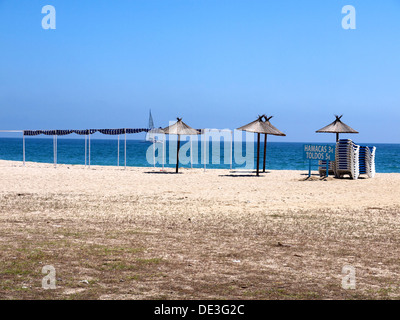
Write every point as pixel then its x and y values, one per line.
pixel 23 147
pixel 56 150
pixel 337 136
pixel 154 153
pixel 205 149
pixel 231 149
pixel 163 151
pixel 177 153
pixel 85 149
pixel 258 154
pixel 265 150
pixel 118 153
pixel 125 150
pixel 89 147
pixel 191 152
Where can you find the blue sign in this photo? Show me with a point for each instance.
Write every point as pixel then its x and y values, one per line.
pixel 318 152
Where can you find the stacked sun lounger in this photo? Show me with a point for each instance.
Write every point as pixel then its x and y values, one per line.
pixel 347 159
pixel 322 168
pixel 367 161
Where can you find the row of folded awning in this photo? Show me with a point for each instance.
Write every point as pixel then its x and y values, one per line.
pixel 91 131
pixel 84 132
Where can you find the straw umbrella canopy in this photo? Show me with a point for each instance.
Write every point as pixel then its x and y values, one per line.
pixel 277 133
pixel 337 127
pixel 154 131
pixel 179 128
pixel 258 126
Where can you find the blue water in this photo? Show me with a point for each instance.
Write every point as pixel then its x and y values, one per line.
pixel 280 155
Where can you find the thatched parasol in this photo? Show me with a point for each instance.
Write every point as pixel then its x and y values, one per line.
pixel 337 127
pixel 258 126
pixel 277 133
pixel 179 128
pixel 152 133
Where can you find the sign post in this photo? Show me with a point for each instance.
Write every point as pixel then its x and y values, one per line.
pixel 318 152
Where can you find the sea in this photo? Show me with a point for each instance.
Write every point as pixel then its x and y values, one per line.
pixel 140 153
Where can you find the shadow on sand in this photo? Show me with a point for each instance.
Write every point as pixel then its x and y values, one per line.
pixel 237 174
pixel 162 172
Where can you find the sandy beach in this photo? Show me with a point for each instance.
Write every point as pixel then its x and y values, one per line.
pixel 141 233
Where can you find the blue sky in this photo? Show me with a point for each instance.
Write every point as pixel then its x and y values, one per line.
pixel 216 63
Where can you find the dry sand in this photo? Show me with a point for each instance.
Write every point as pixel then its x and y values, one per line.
pixel 144 234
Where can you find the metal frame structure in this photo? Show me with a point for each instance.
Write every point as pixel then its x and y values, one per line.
pixel 87 133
